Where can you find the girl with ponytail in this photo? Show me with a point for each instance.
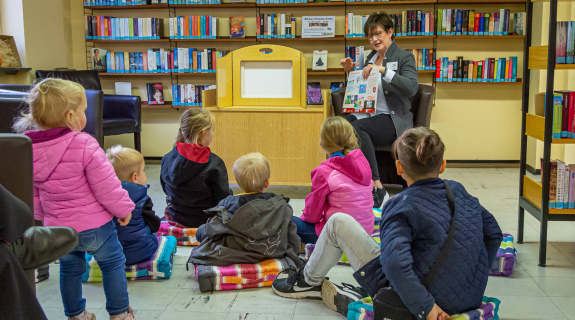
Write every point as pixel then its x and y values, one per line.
pixel 342 183
pixel 193 178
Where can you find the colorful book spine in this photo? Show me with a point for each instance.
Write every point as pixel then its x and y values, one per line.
pixel 557 115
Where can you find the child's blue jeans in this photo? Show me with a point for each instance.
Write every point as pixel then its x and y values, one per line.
pixel 305 230
pixel 103 243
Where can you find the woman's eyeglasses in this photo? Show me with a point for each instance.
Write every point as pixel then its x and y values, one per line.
pixel 375 36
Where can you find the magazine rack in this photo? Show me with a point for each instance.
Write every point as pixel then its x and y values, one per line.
pixel 275 119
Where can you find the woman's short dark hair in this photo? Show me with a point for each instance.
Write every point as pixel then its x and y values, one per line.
pixel 376 19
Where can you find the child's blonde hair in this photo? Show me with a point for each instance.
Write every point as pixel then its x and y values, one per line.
pixel 420 151
pixel 49 101
pixel 252 171
pixel 192 123
pixel 126 161
pixel 337 134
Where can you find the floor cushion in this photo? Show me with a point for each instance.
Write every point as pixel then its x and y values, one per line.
pixel 240 276
pixel 505 259
pixel 184 236
pixel 157 268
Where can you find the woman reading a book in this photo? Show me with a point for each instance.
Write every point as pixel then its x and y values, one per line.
pixel 396 86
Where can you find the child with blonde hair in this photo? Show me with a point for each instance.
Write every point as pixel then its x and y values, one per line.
pixel 342 183
pixel 75 186
pixel 138 238
pixel 193 178
pixel 250 227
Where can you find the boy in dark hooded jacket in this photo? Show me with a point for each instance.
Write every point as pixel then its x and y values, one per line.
pixel 250 227
pixel 138 238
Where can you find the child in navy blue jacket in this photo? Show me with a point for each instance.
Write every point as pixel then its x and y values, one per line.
pixel 413 230
pixel 138 238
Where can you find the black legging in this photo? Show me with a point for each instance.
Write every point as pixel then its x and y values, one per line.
pixel 378 130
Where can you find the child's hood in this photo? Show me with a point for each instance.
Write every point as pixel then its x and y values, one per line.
pixel 354 166
pixel 49 147
pixel 137 192
pixel 190 161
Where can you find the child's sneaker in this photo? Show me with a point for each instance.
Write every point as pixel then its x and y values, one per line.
pixel 128 315
pixel 338 298
pixel 84 316
pixel 295 287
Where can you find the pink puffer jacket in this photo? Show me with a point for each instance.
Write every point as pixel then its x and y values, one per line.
pixel 341 184
pixel 74 184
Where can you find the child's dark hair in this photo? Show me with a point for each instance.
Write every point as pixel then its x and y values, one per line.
pixel 376 19
pixel 420 151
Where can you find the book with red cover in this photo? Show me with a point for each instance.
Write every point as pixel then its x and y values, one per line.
pixel 491 69
pixel 565 113
pixel 237 27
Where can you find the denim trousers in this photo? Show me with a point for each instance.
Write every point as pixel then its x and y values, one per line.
pixel 341 234
pixel 103 244
pixel 305 230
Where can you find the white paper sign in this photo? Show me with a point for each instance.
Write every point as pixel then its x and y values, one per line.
pixel 318 26
pixel 361 94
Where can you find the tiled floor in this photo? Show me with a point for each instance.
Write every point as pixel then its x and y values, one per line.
pixel 531 293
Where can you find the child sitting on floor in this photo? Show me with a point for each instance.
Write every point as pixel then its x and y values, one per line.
pixel 249 227
pixel 193 178
pixel 138 238
pixel 342 183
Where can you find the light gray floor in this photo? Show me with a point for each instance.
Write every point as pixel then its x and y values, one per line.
pixel 531 293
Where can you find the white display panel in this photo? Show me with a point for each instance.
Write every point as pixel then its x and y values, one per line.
pixel 267 79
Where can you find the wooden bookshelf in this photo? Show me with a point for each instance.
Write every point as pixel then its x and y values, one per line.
pixel 426 71
pixel 166 105
pixel 329 72
pixel 311 4
pixel 117 74
pixel 476 2
pixel 535 128
pixel 396 38
pixel 390 3
pixel 519 81
pixel 218 39
pixel 299 38
pixel 167 40
pixel 147 6
pixel 220 6
pixel 514 36
pixel 13 71
pixel 194 74
pixel 538 59
pixel 532 191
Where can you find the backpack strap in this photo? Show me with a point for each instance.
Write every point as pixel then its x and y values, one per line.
pixel 446 249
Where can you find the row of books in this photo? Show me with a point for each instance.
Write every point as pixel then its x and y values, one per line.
pixel 424 58
pixel 280 1
pixel 122 2
pixel 356 54
pixel 561 185
pixel 407 23
pixel 194 1
pixel 565 44
pixel 193 27
pixel 488 70
pixel 276 25
pixel 468 22
pixel 563 115
pixel 188 94
pixel 163 61
pixel 110 28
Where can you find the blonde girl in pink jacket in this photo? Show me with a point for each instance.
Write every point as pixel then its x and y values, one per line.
pixel 342 183
pixel 75 186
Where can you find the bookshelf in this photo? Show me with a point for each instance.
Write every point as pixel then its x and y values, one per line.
pixel 339 42
pixel 534 195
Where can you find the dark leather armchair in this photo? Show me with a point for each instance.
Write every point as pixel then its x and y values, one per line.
pixel 12 104
pixel 121 114
pixel 421 107
pixel 16 174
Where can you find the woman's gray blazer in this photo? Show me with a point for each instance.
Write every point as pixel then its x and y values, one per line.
pixel 402 88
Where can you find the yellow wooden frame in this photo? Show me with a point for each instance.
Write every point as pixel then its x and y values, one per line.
pixel 253 54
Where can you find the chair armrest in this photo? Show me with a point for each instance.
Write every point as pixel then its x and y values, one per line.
pixel 337 101
pixel 94 112
pixel 123 107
